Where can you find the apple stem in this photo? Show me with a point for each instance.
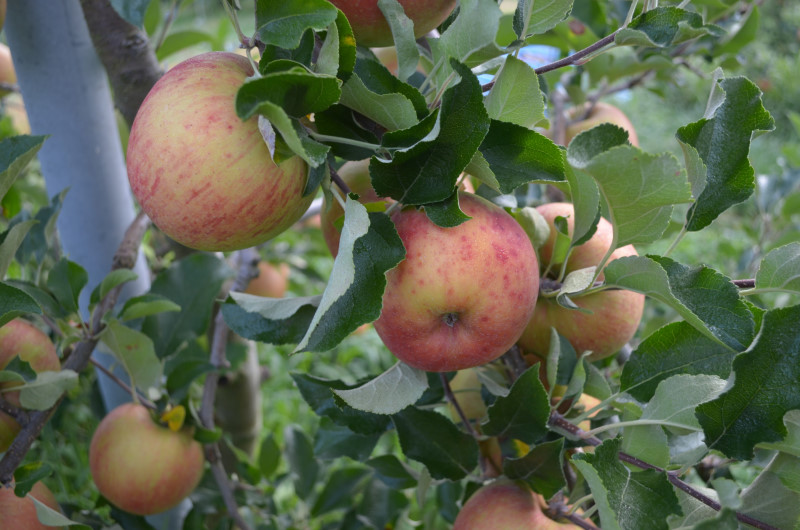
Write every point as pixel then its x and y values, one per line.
pixel 232 15
pixel 451 398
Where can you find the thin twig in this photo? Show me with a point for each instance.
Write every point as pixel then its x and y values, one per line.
pixel 451 398
pixel 125 386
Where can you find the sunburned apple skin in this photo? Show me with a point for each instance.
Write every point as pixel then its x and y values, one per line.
pixel 205 177
pixel 463 295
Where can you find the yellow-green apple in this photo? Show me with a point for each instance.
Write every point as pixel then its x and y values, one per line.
pixel 140 466
pixel 7 73
pixel 615 314
pixel 272 281
pixel 371 28
pixel 205 177
pixel 356 175
pixel 507 505
pixel 20 338
pixel 463 295
pixel 599 113
pixel 466 389
pixel 20 513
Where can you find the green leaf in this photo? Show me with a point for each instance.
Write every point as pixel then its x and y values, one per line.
pixel 328 58
pixel 347 47
pixel 703 297
pixel 10 241
pixel 541 468
pixel 145 306
pixel 112 279
pixel 664 26
pixel 135 351
pixel 180 40
pixel 269 456
pixel 780 270
pixel 65 281
pixel 403 36
pixel 768 499
pixel 517 155
pixel 333 441
pixel 626 499
pixel 515 96
pixel 42 235
pixel 46 389
pixel 50 517
pixel 303 467
pixel 473 29
pixel 447 212
pixel 342 486
pixel 318 393
pixel 131 10
pixel 767 385
pixel 523 413
pixel 15 154
pixel 430 438
pixel 283 23
pixel 677 348
pixel 26 475
pixel 746 33
pixel 273 116
pixel 270 320
pixel 378 79
pixel 193 282
pixel 640 188
pixel 340 121
pixel 297 90
pixel 392 472
pixel 428 171
pixel 369 246
pixel 393 111
pixel 389 393
pixel 536 17
pixel 15 302
pixel 723 144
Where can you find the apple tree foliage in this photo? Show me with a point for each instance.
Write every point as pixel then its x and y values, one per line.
pixel 714 388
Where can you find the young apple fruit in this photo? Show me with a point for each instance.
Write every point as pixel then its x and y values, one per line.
pixel 466 389
pixel 371 28
pixel 20 513
pixel 272 281
pixel 7 73
pixel 205 177
pixel 600 113
pixel 463 295
pixel 20 338
pixel 615 314
pixel 140 466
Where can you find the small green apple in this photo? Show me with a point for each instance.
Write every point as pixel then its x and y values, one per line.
pixel 615 314
pixel 463 295
pixel 205 177
pixel 140 466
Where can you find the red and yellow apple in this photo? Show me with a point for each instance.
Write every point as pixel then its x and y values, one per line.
pixel 507 505
pixel 140 466
pixel 599 113
pixel 272 281
pixel 205 177
pixel 20 338
pixel 20 513
pixel 371 28
pixel 615 314
pixel 7 72
pixel 463 295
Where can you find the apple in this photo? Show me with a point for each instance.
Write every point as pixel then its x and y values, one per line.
pixel 20 513
pixel 504 504
pixel 600 113
pixel 7 72
pixel 615 314
pixel 205 177
pixel 356 175
pixel 15 110
pixel 21 338
pixel 140 466
pixel 371 28
pixel 463 295
pixel 466 388
pixel 271 281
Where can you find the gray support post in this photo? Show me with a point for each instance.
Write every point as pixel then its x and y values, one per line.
pixel 66 95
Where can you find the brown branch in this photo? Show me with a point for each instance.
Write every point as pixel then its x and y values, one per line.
pixel 124 50
pixel 560 422
pixel 339 182
pixel 79 359
pixel 745 284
